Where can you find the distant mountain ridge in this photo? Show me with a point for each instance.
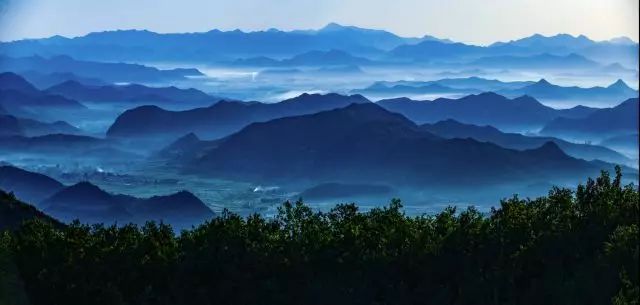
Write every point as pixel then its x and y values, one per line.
pixel 220 119
pixel 216 45
pixel 20 98
pixel 365 142
pixel 607 122
pixel 131 94
pixel 474 82
pixel 105 71
pixel 487 108
pixel 333 57
pixel 452 129
pixel 542 89
pixel 67 146
pixel 535 62
pixel 211 45
pixel 15 126
pixel 467 85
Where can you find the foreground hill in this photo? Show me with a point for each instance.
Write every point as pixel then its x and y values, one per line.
pixel 483 109
pixel 13 213
pixel 366 143
pixel 608 122
pixel 452 129
pixel 220 119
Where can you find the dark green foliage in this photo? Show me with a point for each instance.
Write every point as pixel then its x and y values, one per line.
pixel 567 248
pixel 14 212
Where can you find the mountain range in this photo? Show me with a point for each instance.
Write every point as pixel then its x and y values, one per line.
pixel 603 123
pixel 212 45
pixel 331 57
pixel 468 84
pixel 451 129
pixel 220 119
pixel 104 71
pixel 542 89
pixel 133 93
pixel 366 143
pixel 91 204
pixel 215 45
pixel 626 143
pixel 45 80
pixel 562 49
pixel 15 126
pixel 487 108
pixel 535 62
pixel 18 97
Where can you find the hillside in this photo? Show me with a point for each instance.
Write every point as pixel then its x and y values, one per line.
pixel 366 143
pixel 220 119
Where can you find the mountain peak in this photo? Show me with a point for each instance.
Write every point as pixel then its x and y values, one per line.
pixel 619 84
pixel 81 193
pixel 12 81
pixel 488 94
pixel 182 197
pixel 550 149
pixel 332 26
pixel 190 137
pixel 85 186
pixel 542 83
pixel 68 84
pixel 329 97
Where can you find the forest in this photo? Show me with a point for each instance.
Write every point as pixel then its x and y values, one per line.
pixel 575 246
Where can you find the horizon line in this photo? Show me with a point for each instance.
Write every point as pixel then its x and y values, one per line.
pixel 246 31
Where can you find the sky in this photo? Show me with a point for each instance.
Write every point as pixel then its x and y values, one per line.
pixel 470 21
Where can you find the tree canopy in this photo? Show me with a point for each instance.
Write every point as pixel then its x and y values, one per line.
pixel 570 247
